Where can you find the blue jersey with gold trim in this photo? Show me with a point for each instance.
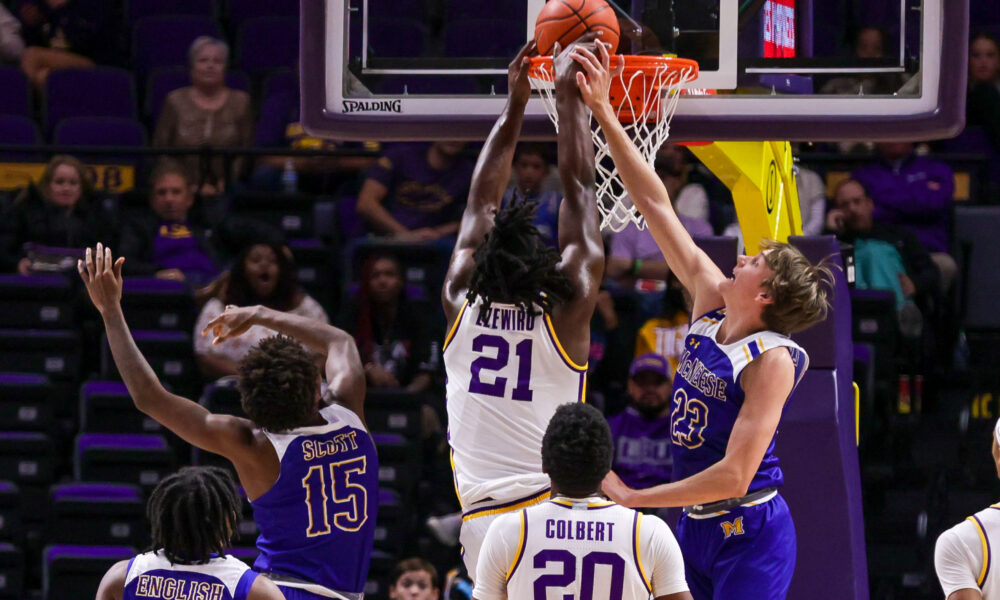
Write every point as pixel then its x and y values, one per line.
pixel 708 397
pixel 317 522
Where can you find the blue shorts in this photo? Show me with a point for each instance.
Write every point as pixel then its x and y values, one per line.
pixel 746 554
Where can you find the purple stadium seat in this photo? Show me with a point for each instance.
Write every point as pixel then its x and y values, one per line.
pixel 464 38
pixel 74 572
pixel 241 11
pixel 390 530
pixel 289 213
pixel 26 402
pixel 983 13
pixel 10 512
pixel 136 459
pixel 165 41
pixel 280 81
pixel 722 251
pixel 351 225
pixel 396 38
pixel 107 407
pixel 96 513
pixel 394 411
pixel 18 130
pixel 55 353
pixel 102 131
pixel 138 9
pixel 158 304
pixel 43 301
pixel 397 461
pixel 15 99
pixel 11 571
pixel 99 92
pixel 164 80
pixel 427 84
pixel 267 43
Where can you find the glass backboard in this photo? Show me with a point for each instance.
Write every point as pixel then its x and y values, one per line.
pixel 786 69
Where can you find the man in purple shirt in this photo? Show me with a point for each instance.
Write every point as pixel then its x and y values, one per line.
pixel 915 193
pixel 417 192
pixel 641 433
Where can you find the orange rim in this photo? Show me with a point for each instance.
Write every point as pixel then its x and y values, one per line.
pixel 634 65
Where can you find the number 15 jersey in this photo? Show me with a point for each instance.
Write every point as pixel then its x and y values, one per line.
pixel 507 374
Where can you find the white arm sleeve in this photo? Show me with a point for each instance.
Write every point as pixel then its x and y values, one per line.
pixel 956 564
pixel 498 553
pixel 661 557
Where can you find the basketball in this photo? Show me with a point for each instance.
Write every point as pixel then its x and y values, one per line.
pixel 564 21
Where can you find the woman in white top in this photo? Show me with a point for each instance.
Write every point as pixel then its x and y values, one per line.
pixel 963 555
pixel 262 274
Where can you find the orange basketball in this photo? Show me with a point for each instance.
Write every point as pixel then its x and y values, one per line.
pixel 564 21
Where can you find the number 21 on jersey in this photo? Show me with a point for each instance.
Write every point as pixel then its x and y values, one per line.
pixel 494 356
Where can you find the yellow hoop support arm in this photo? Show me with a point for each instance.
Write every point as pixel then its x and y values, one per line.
pixel 762 181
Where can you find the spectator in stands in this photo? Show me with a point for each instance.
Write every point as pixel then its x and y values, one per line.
pixel 60 213
pixel 396 347
pixel 664 334
pixel 417 192
pixel 869 44
pixel 690 199
pixel 11 41
pixel 167 242
pixel 641 433
pixel 915 193
pixel 263 274
pixel 64 34
pixel 414 579
pixel 279 126
pixel 885 257
pixel 531 166
pixel 206 113
pixel 983 108
pixel 812 200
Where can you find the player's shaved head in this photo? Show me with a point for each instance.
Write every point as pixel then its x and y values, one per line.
pixel 577 450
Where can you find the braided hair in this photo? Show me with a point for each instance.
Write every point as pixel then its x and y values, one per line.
pixel 194 514
pixel 514 266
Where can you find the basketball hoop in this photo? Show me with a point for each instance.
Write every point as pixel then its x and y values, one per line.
pixel 644 95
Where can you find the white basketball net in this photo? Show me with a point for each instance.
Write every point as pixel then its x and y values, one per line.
pixel 649 129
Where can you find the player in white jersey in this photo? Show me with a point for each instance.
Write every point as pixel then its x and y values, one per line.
pixel 578 545
pixel 518 312
pixel 963 555
pixel 194 514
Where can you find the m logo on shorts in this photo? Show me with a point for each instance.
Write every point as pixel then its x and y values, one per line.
pixel 732 528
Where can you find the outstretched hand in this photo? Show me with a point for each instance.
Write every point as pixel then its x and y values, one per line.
pixel 615 489
pixel 233 322
pixel 103 277
pixel 562 58
pixel 517 73
pixel 595 80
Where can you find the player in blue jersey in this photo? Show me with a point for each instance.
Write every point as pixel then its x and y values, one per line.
pixel 733 379
pixel 305 461
pixel 194 514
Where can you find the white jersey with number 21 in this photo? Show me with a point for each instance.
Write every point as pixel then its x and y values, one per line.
pixel 507 374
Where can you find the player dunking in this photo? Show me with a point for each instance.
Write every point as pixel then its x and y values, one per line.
pixel 194 514
pixel 310 471
pixel 518 314
pixel 737 370
pixel 578 544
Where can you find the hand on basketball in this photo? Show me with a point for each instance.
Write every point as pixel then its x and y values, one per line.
pixel 562 59
pixel 615 489
pixel 233 322
pixel 517 73
pixel 595 81
pixel 103 277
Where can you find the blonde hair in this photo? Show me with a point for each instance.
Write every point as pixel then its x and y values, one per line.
pixel 800 289
pixel 45 182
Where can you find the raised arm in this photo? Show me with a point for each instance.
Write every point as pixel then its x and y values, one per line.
pixel 767 381
pixel 489 180
pixel 345 376
pixel 693 267
pixel 221 434
pixel 579 220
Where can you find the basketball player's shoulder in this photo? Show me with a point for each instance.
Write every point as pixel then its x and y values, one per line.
pixel 707 322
